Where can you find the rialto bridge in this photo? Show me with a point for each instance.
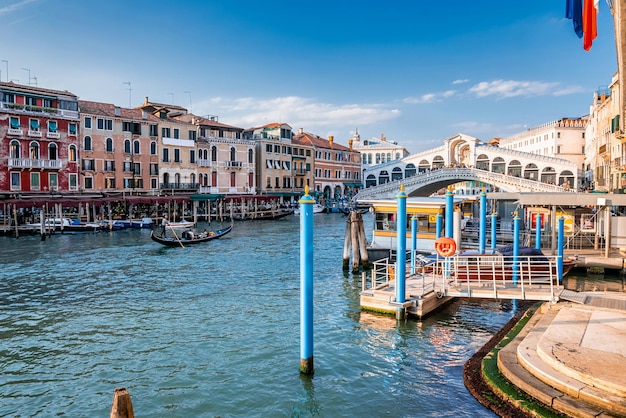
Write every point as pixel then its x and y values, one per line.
pixel 465 158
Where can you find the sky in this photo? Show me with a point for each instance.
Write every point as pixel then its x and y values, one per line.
pixel 415 71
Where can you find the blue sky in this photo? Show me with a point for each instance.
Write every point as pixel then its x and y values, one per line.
pixel 416 71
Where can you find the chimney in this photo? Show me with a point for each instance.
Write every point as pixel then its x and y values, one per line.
pixel 145 101
pixel 330 140
pixel 382 137
pixel 300 131
pixel 350 144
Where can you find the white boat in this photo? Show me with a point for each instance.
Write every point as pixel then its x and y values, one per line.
pixel 181 226
pixel 317 208
pixel 66 224
pixel 141 223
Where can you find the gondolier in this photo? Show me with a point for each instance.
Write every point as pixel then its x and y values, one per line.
pixel 163 224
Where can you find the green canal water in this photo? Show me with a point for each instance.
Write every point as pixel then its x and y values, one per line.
pixel 213 330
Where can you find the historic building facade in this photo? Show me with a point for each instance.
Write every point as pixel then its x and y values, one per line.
pixel 377 151
pixel 39 129
pixel 119 149
pixel 337 167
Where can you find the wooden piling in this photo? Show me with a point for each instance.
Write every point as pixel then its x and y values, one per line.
pixel 346 245
pixel 122 405
pixel 365 262
pixel 356 253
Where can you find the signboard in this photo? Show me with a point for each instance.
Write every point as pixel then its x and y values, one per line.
pixel 568 224
pixel 588 222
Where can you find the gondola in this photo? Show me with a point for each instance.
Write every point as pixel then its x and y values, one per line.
pixel 187 239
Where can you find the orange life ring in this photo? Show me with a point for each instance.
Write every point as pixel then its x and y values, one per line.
pixel 445 246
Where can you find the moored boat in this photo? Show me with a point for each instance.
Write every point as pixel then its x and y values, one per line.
pixel 190 238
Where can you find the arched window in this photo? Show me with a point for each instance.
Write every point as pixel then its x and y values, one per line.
pixel 364 158
pixel 34 151
pixel 52 151
pixel 192 178
pixel 72 153
pixel 396 173
pixel 137 148
pixel 153 150
pixel 377 158
pixel 409 170
pixel 127 146
pixel 15 149
pixel 388 156
pixel 213 153
pixel 233 154
pixel 369 158
pixel 250 156
pixel 109 145
pixel 87 143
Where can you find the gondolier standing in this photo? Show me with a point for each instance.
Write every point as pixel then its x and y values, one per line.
pixel 163 224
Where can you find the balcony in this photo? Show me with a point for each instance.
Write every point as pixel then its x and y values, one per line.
pixel 13 131
pixel 179 186
pixel 53 135
pixel 38 110
pixel 205 163
pixel 234 164
pixel 30 163
pixel 34 134
pixel 299 172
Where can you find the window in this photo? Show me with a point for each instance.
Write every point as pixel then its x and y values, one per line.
pixel 128 166
pixel 268 147
pixel 109 145
pixel 33 151
pixel 109 183
pixel 132 127
pixel 154 169
pixel 87 122
pixel 233 178
pixel 166 155
pixel 15 149
pixel 153 183
pixel 154 130
pixel 9 98
pixel 15 181
pixel 34 124
pixel 88 165
pixel 192 135
pixel 89 183
pixel 71 129
pixel 213 153
pixel 136 147
pixel 109 165
pixel 308 153
pixel 15 122
pixel 72 155
pixel 100 123
pixel 73 181
pixel 34 181
pixel 127 146
pixel 153 148
pixel 176 155
pixel 192 156
pixel 232 154
pixel 250 156
pixel 52 151
pixel 53 181
pixel 176 133
pixel 137 169
pixel 87 143
pixel 165 132
pixel 52 126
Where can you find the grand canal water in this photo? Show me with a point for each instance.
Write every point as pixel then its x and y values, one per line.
pixel 213 330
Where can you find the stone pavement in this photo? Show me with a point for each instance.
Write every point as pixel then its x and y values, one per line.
pixel 572 355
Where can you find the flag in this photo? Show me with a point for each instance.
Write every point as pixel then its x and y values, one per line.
pixel 590 26
pixel 574 11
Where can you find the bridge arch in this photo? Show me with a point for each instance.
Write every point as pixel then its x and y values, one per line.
pixel 531 171
pixel 482 162
pixel 548 175
pixel 383 177
pixel 423 166
pixel 396 174
pixel 498 165
pixel 566 179
pixel 409 170
pixel 515 168
pixel 438 162
pixel 370 181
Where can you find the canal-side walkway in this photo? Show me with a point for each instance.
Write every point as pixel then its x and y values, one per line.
pixel 571 356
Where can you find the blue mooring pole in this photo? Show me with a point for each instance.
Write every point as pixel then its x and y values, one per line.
pixel 306 282
pixel 559 244
pixel 482 225
pixel 538 232
pixel 516 239
pixel 494 224
pixel 413 242
pixel 449 213
pixel 401 247
pixel 439 225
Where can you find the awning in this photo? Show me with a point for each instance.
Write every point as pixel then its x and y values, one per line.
pixel 353 184
pixel 203 197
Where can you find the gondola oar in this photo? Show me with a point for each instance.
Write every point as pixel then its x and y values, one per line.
pixel 176 235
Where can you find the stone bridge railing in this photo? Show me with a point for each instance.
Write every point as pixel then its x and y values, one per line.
pixel 454 175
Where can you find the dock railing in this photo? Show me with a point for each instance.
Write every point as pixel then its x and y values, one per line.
pixel 466 273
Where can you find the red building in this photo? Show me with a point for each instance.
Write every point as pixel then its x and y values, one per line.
pixel 39 132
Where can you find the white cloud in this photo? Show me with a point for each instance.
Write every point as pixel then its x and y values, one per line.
pixel 429 97
pixel 13 7
pixel 512 88
pixel 299 112
pixel 465 80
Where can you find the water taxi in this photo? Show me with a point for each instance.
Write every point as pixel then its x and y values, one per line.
pixel 426 209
